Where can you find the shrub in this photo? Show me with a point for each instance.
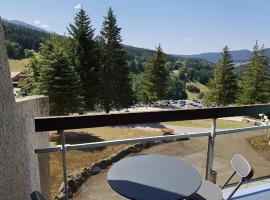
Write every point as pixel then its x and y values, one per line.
pixel 193 89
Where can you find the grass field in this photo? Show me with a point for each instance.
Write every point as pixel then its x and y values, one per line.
pixel 79 159
pixel 18 65
pixel 202 87
pixel 206 123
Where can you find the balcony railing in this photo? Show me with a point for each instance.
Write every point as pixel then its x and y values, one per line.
pixel 89 121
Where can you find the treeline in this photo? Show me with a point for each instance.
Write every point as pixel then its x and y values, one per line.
pixel 250 87
pixel 19 39
pixel 191 69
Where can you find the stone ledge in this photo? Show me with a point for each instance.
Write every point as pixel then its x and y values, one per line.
pixel 29 98
pixel 77 178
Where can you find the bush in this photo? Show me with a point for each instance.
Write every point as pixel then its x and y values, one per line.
pixel 14 49
pixel 200 95
pixel 193 89
pixel 28 53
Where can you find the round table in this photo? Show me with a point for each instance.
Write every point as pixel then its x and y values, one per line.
pixel 156 177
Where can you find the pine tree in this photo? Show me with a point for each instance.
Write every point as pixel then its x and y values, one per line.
pixel 255 82
pixel 115 90
pixel 155 78
pixel 177 88
pixel 86 57
pixel 223 87
pixel 57 77
pixel 29 85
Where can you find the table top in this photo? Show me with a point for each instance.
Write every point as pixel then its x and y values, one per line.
pixel 154 177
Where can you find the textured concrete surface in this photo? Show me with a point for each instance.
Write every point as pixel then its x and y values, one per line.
pixel 19 169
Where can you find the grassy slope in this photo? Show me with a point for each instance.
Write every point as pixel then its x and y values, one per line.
pixel 18 65
pixel 202 87
pixel 206 123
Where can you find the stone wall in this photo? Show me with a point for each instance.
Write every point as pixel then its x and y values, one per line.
pixel 21 170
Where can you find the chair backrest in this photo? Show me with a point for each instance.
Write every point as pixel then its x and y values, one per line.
pixel 36 196
pixel 241 166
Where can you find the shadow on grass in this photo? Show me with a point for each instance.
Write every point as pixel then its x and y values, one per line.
pixel 78 138
pixel 146 125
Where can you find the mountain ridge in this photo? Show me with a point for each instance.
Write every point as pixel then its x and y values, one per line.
pixel 239 56
pixel 25 25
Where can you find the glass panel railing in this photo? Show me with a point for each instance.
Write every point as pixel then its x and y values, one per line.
pixel 251 145
pixel 191 150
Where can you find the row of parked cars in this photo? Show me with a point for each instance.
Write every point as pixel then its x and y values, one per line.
pixel 174 103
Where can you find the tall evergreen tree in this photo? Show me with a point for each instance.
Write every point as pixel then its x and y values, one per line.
pixel 53 74
pixel 115 90
pixel 155 78
pixel 86 56
pixel 223 86
pixel 255 82
pixel 58 78
pixel 177 88
pixel 30 84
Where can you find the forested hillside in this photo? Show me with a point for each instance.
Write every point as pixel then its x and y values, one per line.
pixel 21 38
pixel 190 69
pixel 18 38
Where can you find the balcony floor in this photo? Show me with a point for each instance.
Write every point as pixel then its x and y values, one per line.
pixel 253 191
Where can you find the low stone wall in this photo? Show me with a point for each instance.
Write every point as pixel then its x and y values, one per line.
pixel 77 178
pixel 251 122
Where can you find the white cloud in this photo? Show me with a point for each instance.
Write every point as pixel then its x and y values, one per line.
pixel 40 24
pixel 44 26
pixel 37 22
pixel 78 6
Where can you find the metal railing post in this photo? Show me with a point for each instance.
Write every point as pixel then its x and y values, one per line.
pixel 210 151
pixel 61 132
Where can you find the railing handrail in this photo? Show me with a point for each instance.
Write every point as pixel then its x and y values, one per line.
pixel 114 119
pixel 176 136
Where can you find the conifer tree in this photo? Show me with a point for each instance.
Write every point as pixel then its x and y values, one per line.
pixel 85 50
pixel 177 88
pixel 155 78
pixel 55 76
pixel 223 86
pixel 29 85
pixel 255 82
pixel 115 90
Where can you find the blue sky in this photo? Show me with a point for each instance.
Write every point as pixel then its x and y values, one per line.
pixel 180 26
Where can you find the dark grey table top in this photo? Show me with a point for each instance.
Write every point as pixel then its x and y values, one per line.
pixel 154 177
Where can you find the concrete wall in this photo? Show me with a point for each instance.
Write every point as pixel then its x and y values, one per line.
pixel 20 171
pixel 38 165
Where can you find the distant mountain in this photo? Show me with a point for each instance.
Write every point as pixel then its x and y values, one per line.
pixel 20 36
pixel 134 52
pixel 26 25
pixel 238 56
